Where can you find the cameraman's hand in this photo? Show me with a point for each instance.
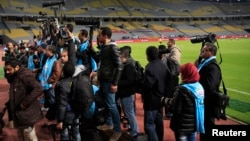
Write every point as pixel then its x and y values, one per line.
pixel 69 33
pixel 59 125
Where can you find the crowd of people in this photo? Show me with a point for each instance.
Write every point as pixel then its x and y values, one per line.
pixel 45 67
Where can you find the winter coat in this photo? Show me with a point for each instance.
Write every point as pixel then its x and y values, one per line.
pixel 56 73
pixel 183 109
pixel 155 82
pixel 110 64
pixel 25 90
pixel 126 83
pixel 62 92
pixel 210 79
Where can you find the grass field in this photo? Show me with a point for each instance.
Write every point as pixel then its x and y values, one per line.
pixel 235 65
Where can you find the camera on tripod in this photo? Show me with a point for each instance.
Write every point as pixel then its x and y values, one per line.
pixel 211 37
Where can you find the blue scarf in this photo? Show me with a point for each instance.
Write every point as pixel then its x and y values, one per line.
pixel 198 92
pixel 83 47
pixel 46 72
pixel 31 64
pixel 205 61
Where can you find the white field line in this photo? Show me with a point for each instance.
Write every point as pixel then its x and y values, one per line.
pixel 241 92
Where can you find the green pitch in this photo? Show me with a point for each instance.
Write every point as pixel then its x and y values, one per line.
pixel 235 67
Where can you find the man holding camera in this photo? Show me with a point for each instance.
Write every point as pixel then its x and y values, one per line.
pixel 210 78
pixel 83 55
pixel 66 41
pixel 10 53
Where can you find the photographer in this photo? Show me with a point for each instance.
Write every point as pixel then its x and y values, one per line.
pixel 83 54
pixel 65 39
pixel 10 53
pixel 210 78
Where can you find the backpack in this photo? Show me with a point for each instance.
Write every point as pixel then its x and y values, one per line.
pixel 82 93
pixel 173 68
pixel 139 77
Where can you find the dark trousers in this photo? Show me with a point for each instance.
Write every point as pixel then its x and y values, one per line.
pixel 209 124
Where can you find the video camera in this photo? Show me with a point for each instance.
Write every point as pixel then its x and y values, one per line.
pixel 50 26
pixel 211 37
pixel 91 22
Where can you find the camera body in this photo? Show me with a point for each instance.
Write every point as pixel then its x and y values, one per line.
pixel 6 55
pixel 211 37
pixel 47 26
pixel 63 33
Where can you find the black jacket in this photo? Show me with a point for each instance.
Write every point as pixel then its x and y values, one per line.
pixel 127 81
pixel 210 79
pixel 23 57
pixel 62 93
pixel 155 83
pixel 183 109
pixel 110 64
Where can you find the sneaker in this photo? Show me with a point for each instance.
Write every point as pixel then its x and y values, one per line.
pixel 104 127
pixel 115 136
pixel 44 109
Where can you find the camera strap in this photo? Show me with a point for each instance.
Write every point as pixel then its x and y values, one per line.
pixel 219 62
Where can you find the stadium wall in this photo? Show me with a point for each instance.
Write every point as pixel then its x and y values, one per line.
pixel 185 38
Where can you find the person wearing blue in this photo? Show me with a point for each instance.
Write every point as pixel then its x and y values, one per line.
pixel 109 73
pixel 155 81
pixel 82 53
pixel 41 52
pixel 210 79
pixel 49 76
pixel 187 105
pixel 31 64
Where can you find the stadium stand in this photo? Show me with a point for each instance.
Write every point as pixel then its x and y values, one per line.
pixel 133 19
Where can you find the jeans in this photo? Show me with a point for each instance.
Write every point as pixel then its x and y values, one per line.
pixel 128 108
pixel 185 137
pixel 153 124
pixel 71 127
pixel 114 117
